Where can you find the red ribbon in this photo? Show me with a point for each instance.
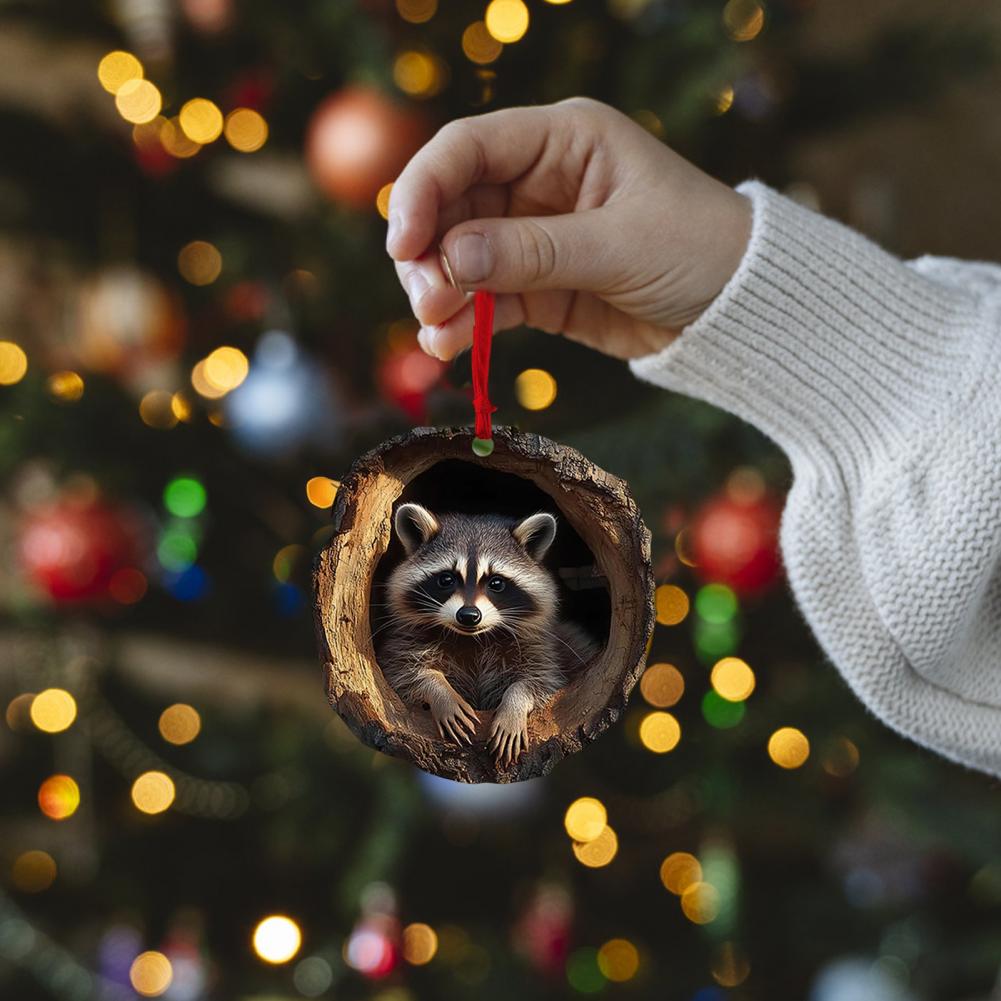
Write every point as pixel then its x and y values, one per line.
pixel 483 329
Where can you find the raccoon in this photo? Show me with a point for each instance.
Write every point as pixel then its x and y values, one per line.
pixel 473 623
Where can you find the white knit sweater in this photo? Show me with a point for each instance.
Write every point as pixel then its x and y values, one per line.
pixel 882 382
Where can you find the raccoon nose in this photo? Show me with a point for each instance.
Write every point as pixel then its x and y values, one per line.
pixel 468 616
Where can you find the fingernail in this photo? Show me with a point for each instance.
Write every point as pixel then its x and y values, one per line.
pixel 472 258
pixel 416 285
pixel 446 268
pixel 427 338
pixel 394 228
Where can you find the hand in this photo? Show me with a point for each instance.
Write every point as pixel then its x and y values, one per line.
pixel 581 222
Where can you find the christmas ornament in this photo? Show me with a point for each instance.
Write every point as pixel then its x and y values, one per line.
pixel 359 140
pixel 74 551
pixel 542 933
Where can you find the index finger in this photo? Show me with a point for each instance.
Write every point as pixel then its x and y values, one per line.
pixel 494 148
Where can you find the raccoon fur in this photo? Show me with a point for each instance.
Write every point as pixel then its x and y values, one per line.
pixel 473 623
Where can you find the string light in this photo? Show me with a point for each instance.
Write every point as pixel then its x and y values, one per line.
pixel 174 141
pixel 153 792
pixel 723 101
pixel 479 46
pixel 730 967
pixel 671 604
pixel 721 713
pixel 58 797
pixel 732 679
pixel 841 757
pixel 312 976
pixel 679 871
pixel 117 68
pixel 156 411
pixel 138 101
pixel 151 974
pixel 585 818
pixel 226 368
pixel 321 491
pixel 203 387
pixel 277 939
pixel 53 710
pixel 788 747
pixel 716 603
pixel 506 20
pixel 599 851
pixel 683 547
pixel 743 19
pixel 201 120
pixel 418 74
pixel 13 363
pixel 619 960
pixel 382 200
pixel 246 130
pixel 662 685
pixel 199 262
pixel 420 943
pixel 660 732
pixel 583 973
pixel 417 11
pixel 18 712
pixel 535 389
pixel 179 724
pixel 700 903
pixel 67 387
pixel 33 871
pixel 285 560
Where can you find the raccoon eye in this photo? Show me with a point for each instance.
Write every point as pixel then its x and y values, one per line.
pixel 496 583
pixel 445 580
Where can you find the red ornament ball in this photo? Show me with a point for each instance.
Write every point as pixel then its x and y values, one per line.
pixel 735 541
pixel 358 140
pixel 82 552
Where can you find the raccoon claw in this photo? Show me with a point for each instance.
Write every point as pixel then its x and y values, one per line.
pixel 507 742
pixel 456 721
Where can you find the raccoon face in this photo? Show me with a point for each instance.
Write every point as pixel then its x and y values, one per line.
pixel 473 573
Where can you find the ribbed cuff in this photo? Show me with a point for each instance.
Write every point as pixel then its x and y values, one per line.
pixel 834 348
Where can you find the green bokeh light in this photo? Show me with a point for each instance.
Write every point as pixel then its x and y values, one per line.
pixel 721 714
pixel 582 971
pixel 184 497
pixel 716 603
pixel 177 549
pixel 716 639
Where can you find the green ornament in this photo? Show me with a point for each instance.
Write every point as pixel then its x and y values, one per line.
pixel 483 447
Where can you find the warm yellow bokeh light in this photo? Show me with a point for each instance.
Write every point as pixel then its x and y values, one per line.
pixel 33 871
pixel 153 792
pixel 585 818
pixel 535 389
pixel 700 903
pixel 13 363
pixel 416 11
pixel 743 19
pixel 660 732
pixel 788 747
pixel 157 411
pixel 246 130
pixel 479 46
pixel 65 386
pixel 174 141
pixel 599 851
pixel 841 757
pixel 730 967
pixel 672 604
pixel 180 406
pixel 138 101
pixel 199 262
pixel 723 100
pixel 420 943
pixel 506 20
pixel 733 679
pixel 58 797
pixel 662 685
pixel 151 974
pixel 679 871
pixel 180 724
pixel 117 68
pixel 277 939
pixel 201 120
pixel 203 387
pixel 618 960
pixel 382 200
pixel 321 491
pixel 53 710
pixel 417 73
pixel 226 368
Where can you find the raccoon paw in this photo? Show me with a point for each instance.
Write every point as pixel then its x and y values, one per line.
pixel 508 735
pixel 455 717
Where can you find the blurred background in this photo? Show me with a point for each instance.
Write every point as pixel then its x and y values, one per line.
pixel 199 332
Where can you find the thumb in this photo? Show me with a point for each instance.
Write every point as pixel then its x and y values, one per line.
pixel 530 253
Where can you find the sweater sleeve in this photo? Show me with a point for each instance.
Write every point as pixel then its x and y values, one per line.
pixel 882 382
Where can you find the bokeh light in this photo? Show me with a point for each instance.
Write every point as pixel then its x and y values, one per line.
pixel 174 141
pixel 246 130
pixel 18 712
pixel 671 604
pixel 202 386
pixel 321 491
pixel 732 679
pixel 723 100
pixel 177 549
pixel 743 19
pixel 417 11
pixel 788 747
pixel 181 407
pixel 151 974
pixel 313 976
pixel 382 200
pixel 13 363
pixel 58 797
pixel 199 262
pixel 720 713
pixel 184 497
pixel 506 20
pixel 660 732
pixel 662 685
pixel 679 871
pixel 582 970
pixel 535 389
pixel 729 967
pixel 156 411
pixel 128 586
pixel 420 943
pixel 138 101
pixel 479 46
pixel 66 386
pixel 619 960
pixel 285 561
pixel 277 939
pixel 153 792
pixel 226 368
pixel 117 68
pixel 598 851
pixel 53 710
pixel 716 603
pixel 585 818
pixel 33 871
pixel 180 724
pixel 418 73
pixel 201 120
pixel 700 903
pixel 840 758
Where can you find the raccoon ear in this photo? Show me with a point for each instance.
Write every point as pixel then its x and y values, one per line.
pixel 536 534
pixel 414 525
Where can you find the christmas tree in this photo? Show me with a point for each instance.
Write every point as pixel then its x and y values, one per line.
pixel 201 331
